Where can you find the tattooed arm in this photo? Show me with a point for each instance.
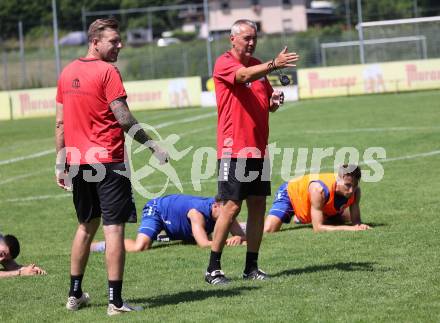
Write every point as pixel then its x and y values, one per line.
pixel 131 126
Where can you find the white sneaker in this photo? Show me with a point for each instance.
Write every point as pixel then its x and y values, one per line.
pixel 75 304
pixel 113 310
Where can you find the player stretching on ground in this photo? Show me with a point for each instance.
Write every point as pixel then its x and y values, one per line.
pixel 182 217
pixel 325 200
pixel 9 250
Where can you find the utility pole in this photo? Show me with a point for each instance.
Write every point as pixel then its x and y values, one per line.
pixel 55 38
pixel 361 32
pixel 208 36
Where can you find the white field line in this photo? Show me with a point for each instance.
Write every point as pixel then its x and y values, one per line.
pixel 195 131
pixel 330 131
pixel 185 120
pixel 31 156
pixel 30 142
pixel 38 197
pixel 164 114
pixel 159 126
pixel 366 162
pixel 23 176
pixel 44 197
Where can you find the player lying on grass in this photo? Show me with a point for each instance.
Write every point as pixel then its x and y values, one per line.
pixel 9 250
pixel 182 217
pixel 326 200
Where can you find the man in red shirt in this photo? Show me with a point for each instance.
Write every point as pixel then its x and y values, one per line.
pixel 244 99
pixel 92 116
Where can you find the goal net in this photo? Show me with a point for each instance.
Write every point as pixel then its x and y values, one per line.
pixel 388 40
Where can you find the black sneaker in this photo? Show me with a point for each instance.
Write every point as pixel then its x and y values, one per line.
pixel 216 277
pixel 256 274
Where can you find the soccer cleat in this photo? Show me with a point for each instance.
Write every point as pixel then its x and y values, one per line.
pixel 256 274
pixel 74 304
pixel 216 277
pixel 125 308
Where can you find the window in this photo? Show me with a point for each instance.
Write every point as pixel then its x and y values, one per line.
pixel 287 25
pixel 225 5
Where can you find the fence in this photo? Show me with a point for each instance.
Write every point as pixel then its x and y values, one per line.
pixel 34 65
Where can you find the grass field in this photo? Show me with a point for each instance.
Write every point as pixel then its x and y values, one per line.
pixel 388 274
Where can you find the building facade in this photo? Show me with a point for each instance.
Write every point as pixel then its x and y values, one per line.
pixel 271 16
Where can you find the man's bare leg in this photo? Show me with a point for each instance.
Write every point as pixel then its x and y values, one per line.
pixel 115 260
pixel 228 212
pixel 78 262
pixel 81 246
pixel 255 222
pixel 254 233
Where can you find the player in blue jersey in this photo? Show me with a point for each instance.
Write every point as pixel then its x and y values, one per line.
pixel 182 217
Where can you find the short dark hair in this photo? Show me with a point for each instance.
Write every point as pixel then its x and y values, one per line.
pixel 99 25
pixel 13 245
pixel 350 170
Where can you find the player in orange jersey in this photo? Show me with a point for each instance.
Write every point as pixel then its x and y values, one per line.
pixel 326 200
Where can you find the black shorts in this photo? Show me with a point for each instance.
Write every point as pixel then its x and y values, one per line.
pixel 243 177
pixel 110 197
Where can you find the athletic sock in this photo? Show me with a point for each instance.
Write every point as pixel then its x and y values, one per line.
pixel 75 286
pixel 251 261
pixel 214 261
pixel 114 292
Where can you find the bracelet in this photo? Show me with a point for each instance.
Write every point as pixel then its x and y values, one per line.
pixel 272 65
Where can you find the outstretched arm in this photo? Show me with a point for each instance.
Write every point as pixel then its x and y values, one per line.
pixel 131 126
pixel 255 72
pixel 13 269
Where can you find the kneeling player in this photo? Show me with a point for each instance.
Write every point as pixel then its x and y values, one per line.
pixel 326 200
pixel 182 217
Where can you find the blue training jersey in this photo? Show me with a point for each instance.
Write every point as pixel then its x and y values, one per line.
pixel 174 210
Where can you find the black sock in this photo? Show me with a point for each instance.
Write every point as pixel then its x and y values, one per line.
pixel 251 262
pixel 75 286
pixel 114 292
pixel 214 261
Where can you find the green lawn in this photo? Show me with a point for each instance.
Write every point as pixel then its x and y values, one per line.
pixel 388 274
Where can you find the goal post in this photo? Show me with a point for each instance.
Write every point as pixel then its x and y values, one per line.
pixel 427 27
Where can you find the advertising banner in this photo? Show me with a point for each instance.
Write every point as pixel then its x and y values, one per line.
pixel 142 95
pixel 370 78
pixel 166 93
pixel 33 103
pixel 5 109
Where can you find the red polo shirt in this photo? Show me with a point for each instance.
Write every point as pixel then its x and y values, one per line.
pixel 243 110
pixel 86 88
